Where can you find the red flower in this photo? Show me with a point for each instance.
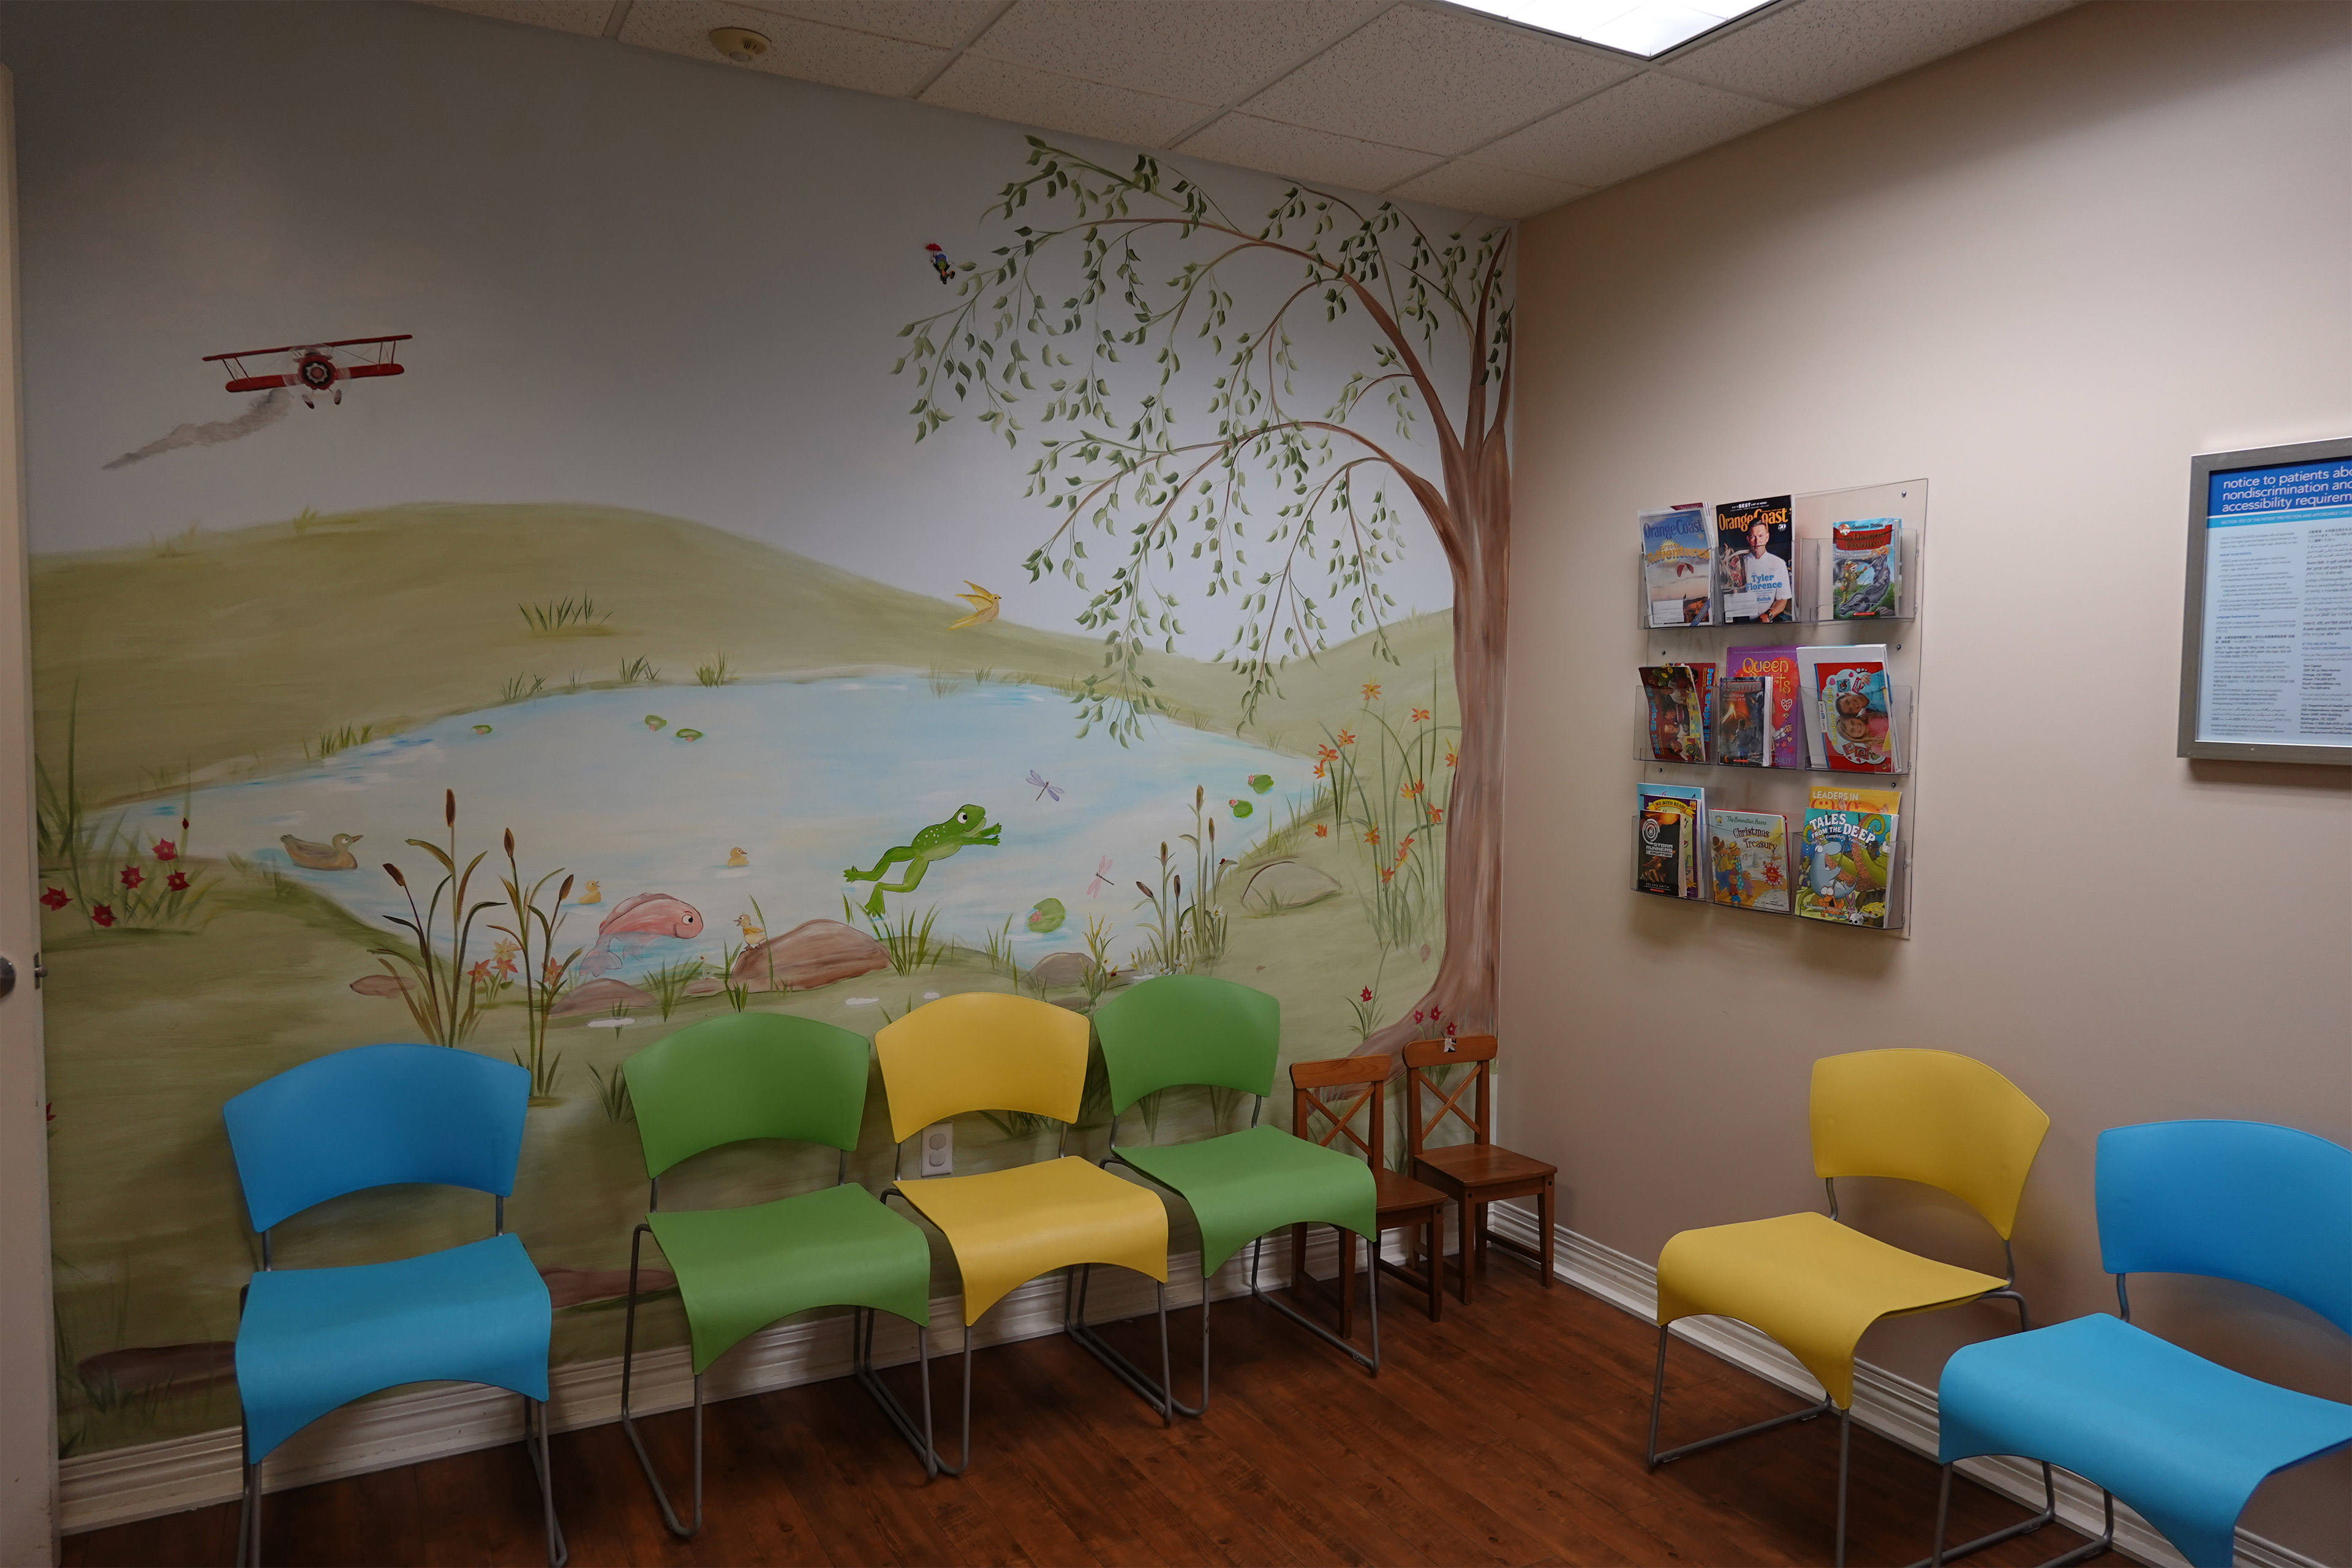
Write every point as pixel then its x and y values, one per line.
pixel 1449 1031
pixel 177 881
pixel 166 850
pixel 99 915
pixel 1420 715
pixel 133 876
pixel 1368 993
pixel 1436 814
pixel 1416 1015
pixel 1433 1014
pixel 55 898
pixel 1320 831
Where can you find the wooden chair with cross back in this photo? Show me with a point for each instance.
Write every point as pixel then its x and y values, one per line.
pixel 1402 1203
pixel 1476 1173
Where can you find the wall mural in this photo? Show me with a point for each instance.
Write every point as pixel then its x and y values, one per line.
pixel 549 779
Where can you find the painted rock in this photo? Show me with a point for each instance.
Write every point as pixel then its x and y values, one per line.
pixel 600 997
pixel 1048 916
pixel 1059 969
pixel 381 985
pixel 813 954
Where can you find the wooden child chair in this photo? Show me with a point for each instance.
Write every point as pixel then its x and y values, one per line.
pixel 1476 1173
pixel 1403 1204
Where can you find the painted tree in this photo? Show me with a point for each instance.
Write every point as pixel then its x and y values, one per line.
pixel 1117 466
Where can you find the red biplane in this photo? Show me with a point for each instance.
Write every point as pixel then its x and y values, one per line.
pixel 316 367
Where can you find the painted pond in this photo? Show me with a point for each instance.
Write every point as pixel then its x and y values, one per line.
pixel 790 782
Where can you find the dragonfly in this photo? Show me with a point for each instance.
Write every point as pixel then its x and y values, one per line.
pixel 1102 879
pixel 1043 788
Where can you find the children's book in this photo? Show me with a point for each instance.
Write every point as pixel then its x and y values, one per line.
pixel 1779 665
pixel 1809 686
pixel 1743 721
pixel 1675 574
pixel 1671 820
pixel 1755 560
pixel 1856 716
pixel 1849 855
pixel 1748 854
pixel 1677 697
pixel 1864 568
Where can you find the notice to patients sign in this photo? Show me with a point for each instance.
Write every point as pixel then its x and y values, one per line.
pixel 2277 663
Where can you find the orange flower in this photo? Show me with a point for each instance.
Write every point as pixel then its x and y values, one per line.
pixel 1321 831
pixel 1371 690
pixel 1449 754
pixel 1319 770
pixel 1410 790
pixel 1436 814
pixel 1388 873
pixel 1346 738
pixel 1405 846
pixel 1327 753
pixel 1371 836
pixel 1421 715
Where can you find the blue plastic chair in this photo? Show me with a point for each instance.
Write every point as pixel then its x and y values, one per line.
pixel 2182 1440
pixel 309 1339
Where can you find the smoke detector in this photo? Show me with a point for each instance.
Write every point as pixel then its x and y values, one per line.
pixel 741 45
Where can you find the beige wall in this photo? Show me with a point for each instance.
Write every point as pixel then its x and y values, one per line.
pixel 2004 272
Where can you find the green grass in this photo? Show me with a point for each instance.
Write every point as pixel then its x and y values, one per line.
pixel 522 687
pixel 338 740
pixel 552 617
pixel 715 673
pixel 639 668
pixel 667 985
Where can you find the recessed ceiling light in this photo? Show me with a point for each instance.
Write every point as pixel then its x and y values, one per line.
pixel 739 43
pixel 1644 27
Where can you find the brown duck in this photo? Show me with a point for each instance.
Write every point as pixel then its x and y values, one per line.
pixel 335 857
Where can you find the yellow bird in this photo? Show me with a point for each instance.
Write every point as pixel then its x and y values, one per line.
pixel 594 893
pixel 753 932
pixel 983 606
pixel 737 857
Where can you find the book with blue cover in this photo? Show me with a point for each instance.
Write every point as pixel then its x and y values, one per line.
pixel 1671 844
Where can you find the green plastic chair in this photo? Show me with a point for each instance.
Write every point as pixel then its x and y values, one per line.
pixel 1192 1029
pixel 765 1075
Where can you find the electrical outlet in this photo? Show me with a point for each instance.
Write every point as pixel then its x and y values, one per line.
pixel 936 1149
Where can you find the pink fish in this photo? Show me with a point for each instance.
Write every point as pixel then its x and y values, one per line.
pixel 636 924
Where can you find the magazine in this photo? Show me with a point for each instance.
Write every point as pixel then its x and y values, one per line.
pixel 1809 687
pixel 1748 851
pixel 1865 569
pixel 1677 697
pixel 1849 855
pixel 1780 665
pixel 1855 715
pixel 1675 578
pixel 1743 721
pixel 1671 819
pixel 1755 560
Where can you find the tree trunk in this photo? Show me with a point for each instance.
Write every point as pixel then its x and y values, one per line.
pixel 1478 497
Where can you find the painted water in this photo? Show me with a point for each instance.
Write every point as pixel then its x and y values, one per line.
pixel 720 796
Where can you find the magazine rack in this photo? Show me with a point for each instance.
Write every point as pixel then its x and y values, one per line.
pixel 1900 706
pixel 1740 788
pixel 1898 881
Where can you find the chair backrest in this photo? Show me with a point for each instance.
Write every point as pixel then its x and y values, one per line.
pixel 1420 1057
pixel 1927 1116
pixel 2232 1200
pixel 747 1075
pixel 982 1051
pixel 371 1116
pixel 1188 1029
pixel 1317 1120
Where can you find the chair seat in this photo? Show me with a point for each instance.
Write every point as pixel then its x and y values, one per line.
pixel 1466 1166
pixel 313 1339
pixel 1007 1227
pixel 1396 1194
pixel 1813 1285
pixel 1247 1184
pixel 2180 1439
pixel 739 1269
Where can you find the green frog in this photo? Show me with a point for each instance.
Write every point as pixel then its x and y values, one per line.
pixel 970 825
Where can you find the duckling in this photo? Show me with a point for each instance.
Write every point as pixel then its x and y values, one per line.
pixel 737 857
pixel 753 934
pixel 593 893
pixel 335 857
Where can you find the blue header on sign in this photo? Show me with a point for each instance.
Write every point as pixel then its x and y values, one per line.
pixel 2294 487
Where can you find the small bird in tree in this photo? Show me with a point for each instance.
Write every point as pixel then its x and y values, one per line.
pixel 940 262
pixel 983 606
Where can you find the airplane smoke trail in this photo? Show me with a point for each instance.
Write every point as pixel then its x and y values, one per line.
pixel 263 410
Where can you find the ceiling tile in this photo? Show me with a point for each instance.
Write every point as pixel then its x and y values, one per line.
pixel 584 16
pixel 1297 153
pixel 808 51
pixel 1436 80
pixel 1210 51
pixel 1490 192
pixel 1818 49
pixel 943 24
pixel 1003 90
pixel 1634 126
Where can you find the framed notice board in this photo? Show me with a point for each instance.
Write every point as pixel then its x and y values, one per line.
pixel 2266 638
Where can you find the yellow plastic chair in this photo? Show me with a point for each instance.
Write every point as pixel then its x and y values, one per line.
pixel 982 1051
pixel 1815 1285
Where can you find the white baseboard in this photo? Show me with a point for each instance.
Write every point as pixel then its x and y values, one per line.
pixel 122 1485
pixel 1893 1406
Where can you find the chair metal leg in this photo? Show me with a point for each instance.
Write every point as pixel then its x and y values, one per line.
pixel 558 1551
pixel 1942 1554
pixel 1370 1363
pixel 1160 1395
pixel 628 1423
pixel 1657 1399
pixel 862 1323
pixel 1845 1454
pixel 248 1513
pixel 2104 1541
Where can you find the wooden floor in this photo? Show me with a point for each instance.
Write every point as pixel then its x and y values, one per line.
pixel 1512 1433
